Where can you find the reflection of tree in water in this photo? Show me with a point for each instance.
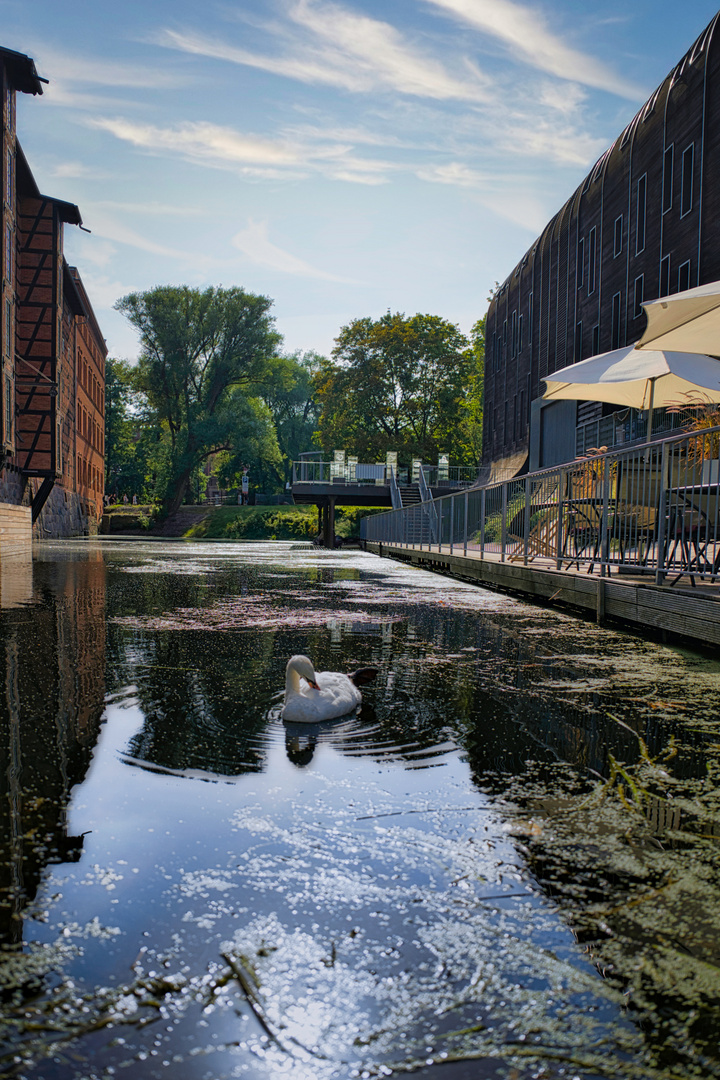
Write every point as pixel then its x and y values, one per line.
pixel 204 700
pixel 52 654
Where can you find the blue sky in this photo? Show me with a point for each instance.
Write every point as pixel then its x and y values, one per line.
pixel 344 158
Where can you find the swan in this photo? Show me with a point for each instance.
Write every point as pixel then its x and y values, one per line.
pixel 323 696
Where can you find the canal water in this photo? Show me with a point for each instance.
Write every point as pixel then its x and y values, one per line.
pixel 505 864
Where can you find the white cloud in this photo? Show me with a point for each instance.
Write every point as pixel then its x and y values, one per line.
pixel 525 30
pixel 253 241
pixel 76 170
pixel 215 146
pixel 73 68
pixel 340 48
pixel 454 172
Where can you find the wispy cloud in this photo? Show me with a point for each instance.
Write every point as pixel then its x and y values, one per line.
pixel 253 241
pixel 338 47
pixel 526 32
pixel 453 172
pixel 213 145
pixel 72 68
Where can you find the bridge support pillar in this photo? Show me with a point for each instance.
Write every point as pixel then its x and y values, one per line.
pixel 329 523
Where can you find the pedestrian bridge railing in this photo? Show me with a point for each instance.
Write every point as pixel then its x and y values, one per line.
pixel 652 509
pixel 357 472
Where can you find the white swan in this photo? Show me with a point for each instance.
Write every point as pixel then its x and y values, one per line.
pixel 323 696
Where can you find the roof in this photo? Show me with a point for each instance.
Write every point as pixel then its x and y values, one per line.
pixel 67 211
pixel 27 187
pixel 71 292
pixel 89 313
pixel 21 71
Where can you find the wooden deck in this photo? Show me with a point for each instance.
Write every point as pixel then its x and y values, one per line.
pixel 634 601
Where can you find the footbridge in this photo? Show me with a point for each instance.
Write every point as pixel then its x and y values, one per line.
pixel 349 482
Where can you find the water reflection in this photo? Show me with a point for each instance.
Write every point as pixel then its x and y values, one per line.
pixel 521 804
pixel 52 658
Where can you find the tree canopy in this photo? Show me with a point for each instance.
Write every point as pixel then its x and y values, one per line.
pixel 404 384
pixel 199 348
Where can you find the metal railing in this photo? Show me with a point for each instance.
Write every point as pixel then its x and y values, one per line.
pixel 627 426
pixel 651 509
pixel 354 472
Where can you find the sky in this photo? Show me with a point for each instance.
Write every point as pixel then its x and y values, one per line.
pixel 343 157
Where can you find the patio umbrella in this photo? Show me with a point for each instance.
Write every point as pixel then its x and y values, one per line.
pixel 688 320
pixel 647 379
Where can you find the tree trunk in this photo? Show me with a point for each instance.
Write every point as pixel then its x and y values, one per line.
pixel 174 501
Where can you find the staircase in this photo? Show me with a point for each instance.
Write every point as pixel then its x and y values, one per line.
pixel 409 494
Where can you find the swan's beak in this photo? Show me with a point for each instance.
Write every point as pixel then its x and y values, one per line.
pixel 313 684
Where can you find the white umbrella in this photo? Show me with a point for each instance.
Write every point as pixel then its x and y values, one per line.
pixel 688 320
pixel 641 380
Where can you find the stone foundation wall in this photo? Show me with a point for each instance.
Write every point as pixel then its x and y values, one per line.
pixel 11 486
pixel 65 514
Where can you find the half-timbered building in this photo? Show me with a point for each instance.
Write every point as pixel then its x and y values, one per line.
pixel 53 354
pixel 644 223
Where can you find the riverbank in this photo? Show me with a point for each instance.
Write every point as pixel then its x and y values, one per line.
pixel 232 523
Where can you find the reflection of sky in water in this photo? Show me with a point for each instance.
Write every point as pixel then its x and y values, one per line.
pixel 328 900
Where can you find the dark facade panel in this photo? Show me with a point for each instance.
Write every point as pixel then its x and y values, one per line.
pixel 645 221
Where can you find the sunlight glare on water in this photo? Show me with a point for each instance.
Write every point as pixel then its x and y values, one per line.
pixel 506 856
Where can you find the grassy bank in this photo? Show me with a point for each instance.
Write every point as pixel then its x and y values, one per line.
pixel 275 523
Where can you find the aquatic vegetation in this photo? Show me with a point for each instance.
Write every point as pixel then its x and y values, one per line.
pixel 509 855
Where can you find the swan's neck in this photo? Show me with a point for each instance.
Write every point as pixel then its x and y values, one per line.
pixel 292 681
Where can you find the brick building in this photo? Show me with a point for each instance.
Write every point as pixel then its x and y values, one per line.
pixel 53 354
pixel 645 222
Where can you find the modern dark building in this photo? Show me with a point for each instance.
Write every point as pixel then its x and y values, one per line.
pixel 644 223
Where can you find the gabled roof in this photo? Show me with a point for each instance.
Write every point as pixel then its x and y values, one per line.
pixel 22 73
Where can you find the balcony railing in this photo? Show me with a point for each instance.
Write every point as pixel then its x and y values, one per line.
pixel 627 426
pixel 652 509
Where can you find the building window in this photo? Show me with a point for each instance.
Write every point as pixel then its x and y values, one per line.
pixel 596 339
pixel 9 108
pixel 640 213
pixel 520 333
pixel 580 269
pixel 592 248
pixel 664 289
pixel 684 276
pixel 686 191
pixel 8 409
pixel 530 319
pixel 8 254
pixel 615 335
pixel 578 341
pixel 9 343
pixel 513 334
pixel 9 178
pixel 617 245
pixel 668 161
pixel 639 296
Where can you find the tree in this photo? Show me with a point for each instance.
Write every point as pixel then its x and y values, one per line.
pixel 471 424
pixel 196 348
pixel 125 448
pixel 290 396
pixel 400 384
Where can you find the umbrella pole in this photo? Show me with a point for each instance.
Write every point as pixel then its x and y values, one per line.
pixel 650 410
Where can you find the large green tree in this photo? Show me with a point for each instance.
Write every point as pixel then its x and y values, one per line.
pixel 398 383
pixel 290 396
pixel 126 445
pixel 197 348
